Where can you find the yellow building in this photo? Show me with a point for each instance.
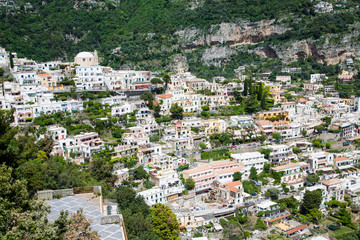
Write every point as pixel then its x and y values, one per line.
pixel 214 126
pixel 49 82
pixel 264 115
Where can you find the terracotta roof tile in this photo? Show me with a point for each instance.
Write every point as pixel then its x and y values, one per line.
pixel 296 229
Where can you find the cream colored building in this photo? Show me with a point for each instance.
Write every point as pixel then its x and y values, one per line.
pixel 86 59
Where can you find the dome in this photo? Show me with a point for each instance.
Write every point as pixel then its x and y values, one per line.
pixel 85 55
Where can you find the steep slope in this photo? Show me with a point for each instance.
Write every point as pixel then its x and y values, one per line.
pixel 152 33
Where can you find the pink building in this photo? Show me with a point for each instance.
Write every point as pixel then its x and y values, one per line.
pixel 205 174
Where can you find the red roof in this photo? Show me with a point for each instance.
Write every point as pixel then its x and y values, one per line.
pixel 296 229
pixel 165 96
pixel 340 159
pixel 271 220
pixel 232 186
pixel 17 98
pixel 44 75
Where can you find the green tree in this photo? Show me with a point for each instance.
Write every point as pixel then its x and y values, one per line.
pixel 164 222
pixel 167 80
pixel 202 145
pixel 345 217
pixel 327 121
pixel 262 138
pixel 314 215
pixel 272 192
pixel 156 81
pixel 304 132
pixel 148 98
pixel 276 136
pixel 253 173
pixel 157 109
pixel 79 228
pixel 260 225
pixel 101 171
pixel 140 173
pixel 313 178
pixel 296 150
pixel 267 167
pixel 176 111
pixel 11 60
pixel 189 183
pixel 9 148
pixel 319 128
pixel 266 152
pixel 205 108
pixel 245 91
pixel 13 197
pixel 311 200
pixel 263 102
pixel 2 80
pixel 237 176
pixel 260 93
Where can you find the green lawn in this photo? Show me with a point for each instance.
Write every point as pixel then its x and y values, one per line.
pixel 342 231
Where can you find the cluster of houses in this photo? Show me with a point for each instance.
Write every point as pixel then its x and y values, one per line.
pixel 32 93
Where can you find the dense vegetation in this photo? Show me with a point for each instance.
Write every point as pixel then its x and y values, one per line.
pixel 144 29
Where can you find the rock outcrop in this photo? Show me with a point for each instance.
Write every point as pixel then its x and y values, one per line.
pixel 246 32
pixel 331 53
pixel 229 33
pixel 216 55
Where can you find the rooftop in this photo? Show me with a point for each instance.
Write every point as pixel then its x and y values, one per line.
pixel 287 166
pixel 331 182
pixel 91 209
pixel 340 159
pixel 85 55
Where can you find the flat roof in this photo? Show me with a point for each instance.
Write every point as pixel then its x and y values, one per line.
pixel 91 209
pixel 331 182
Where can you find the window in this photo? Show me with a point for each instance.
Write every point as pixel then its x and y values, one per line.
pixel 108 209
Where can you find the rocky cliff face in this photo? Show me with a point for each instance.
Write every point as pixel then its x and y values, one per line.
pixel 246 32
pixel 325 51
pixel 229 33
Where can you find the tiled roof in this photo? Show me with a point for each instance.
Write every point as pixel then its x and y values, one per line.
pixel 264 122
pixel 232 186
pixel 296 229
pixel 274 219
pixel 331 182
pixel 340 159
pixel 165 96
pixel 287 166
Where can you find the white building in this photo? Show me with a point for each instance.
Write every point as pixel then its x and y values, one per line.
pixel 86 59
pixel 122 109
pixel 154 195
pixel 249 160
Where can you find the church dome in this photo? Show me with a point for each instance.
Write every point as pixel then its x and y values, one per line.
pixel 85 55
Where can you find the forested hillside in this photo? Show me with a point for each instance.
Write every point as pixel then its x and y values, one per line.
pixel 144 32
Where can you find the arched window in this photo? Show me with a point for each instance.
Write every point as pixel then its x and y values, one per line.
pixel 108 209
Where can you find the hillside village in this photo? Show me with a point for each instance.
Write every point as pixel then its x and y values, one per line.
pixel 256 157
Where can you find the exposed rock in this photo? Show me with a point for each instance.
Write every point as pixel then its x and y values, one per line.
pixel 229 33
pixel 325 52
pixel 215 55
pixel 193 4
pixel 179 64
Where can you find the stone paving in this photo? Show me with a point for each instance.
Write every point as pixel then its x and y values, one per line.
pixel 91 209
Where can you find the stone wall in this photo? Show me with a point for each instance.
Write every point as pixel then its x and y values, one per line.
pixel 64 192
pixel 46 194
pixel 51 194
pixel 111 219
